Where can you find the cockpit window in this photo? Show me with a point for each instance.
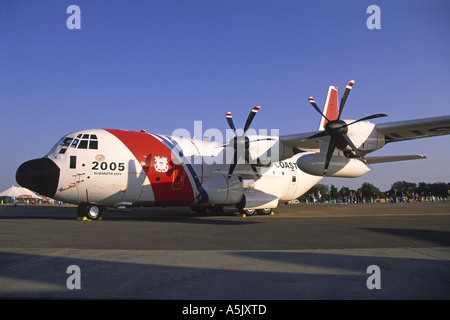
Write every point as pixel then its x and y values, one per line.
pixel 66 142
pixel 83 144
pixel 82 141
pixel 87 141
pixel 75 143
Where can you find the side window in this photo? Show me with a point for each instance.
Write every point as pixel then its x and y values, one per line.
pixel 73 162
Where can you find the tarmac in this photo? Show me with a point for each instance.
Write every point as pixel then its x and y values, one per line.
pixel 302 252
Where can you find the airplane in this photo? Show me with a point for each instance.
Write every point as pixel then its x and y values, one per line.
pixel 103 169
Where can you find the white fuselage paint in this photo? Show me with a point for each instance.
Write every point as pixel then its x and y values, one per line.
pixel 112 176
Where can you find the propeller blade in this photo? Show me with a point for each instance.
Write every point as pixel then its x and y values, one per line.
pixel 331 147
pixel 348 87
pixel 350 143
pixel 379 115
pixel 250 118
pixel 233 164
pixel 247 160
pixel 231 169
pixel 263 139
pixel 243 140
pixel 254 170
pixel 313 103
pixel 230 122
pixel 318 135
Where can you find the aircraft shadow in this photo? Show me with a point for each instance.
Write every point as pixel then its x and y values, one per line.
pixel 250 275
pixel 435 237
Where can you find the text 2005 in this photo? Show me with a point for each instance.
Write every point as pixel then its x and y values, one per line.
pixel 105 166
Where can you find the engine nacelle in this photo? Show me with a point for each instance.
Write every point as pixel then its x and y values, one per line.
pixel 268 149
pixel 256 199
pixel 221 190
pixel 339 166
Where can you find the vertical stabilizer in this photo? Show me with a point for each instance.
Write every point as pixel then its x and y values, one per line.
pixel 331 109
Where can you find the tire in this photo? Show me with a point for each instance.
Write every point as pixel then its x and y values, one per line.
pixel 93 212
pixel 264 211
pixel 247 212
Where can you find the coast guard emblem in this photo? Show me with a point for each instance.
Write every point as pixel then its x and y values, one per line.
pixel 161 164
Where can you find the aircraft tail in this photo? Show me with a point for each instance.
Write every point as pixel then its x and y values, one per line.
pixel 331 109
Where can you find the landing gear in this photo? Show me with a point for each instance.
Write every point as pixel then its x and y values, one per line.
pixel 199 209
pixel 220 209
pixel 89 211
pixel 250 212
pixel 247 212
pixel 265 211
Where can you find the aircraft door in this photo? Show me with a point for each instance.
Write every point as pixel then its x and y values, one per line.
pixel 71 178
pixel 136 179
pixel 293 184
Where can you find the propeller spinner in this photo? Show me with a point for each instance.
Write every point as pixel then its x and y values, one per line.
pixel 337 129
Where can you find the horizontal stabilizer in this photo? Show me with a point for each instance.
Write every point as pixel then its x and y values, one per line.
pixel 382 159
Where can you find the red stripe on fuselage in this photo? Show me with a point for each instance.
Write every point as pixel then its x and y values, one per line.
pixel 170 188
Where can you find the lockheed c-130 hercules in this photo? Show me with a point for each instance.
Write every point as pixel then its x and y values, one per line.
pixel 107 168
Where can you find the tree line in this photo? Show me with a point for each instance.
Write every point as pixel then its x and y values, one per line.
pixel 400 191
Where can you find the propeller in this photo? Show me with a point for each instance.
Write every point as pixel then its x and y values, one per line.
pixel 242 140
pixel 337 129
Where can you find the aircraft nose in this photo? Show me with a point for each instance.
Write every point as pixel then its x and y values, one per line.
pixel 39 175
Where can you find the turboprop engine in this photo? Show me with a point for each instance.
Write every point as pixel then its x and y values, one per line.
pixel 338 166
pixel 223 190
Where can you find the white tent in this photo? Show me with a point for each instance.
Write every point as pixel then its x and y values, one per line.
pixel 17 192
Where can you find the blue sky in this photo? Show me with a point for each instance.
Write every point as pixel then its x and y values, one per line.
pixel 161 65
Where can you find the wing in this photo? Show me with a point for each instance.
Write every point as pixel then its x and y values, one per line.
pixel 392 131
pixel 300 141
pixel 415 129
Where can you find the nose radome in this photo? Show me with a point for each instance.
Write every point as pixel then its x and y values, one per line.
pixel 39 175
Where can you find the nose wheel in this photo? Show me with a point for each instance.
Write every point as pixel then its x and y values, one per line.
pixel 89 211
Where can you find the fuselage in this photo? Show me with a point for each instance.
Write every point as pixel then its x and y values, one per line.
pixel 114 168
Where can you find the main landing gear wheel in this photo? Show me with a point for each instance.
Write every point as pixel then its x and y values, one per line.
pixel 250 212
pixel 264 211
pixel 93 212
pixel 89 211
pixel 247 212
